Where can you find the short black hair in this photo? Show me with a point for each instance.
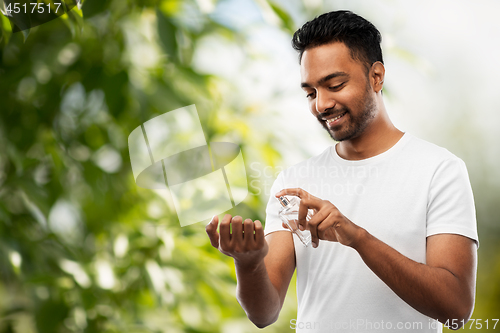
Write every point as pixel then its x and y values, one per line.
pixel 359 35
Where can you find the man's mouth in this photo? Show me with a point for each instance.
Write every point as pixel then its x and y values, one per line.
pixel 333 120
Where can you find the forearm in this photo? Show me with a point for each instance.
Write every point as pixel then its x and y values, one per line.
pixel 433 291
pixel 257 295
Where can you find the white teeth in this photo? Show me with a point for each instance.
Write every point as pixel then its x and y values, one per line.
pixel 333 119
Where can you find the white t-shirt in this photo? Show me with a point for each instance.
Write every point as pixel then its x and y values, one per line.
pixel 411 191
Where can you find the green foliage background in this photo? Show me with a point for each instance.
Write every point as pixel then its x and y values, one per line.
pixel 70 91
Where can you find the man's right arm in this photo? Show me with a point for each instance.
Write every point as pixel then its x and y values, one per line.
pixel 264 266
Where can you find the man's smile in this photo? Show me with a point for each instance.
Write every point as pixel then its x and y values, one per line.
pixel 332 121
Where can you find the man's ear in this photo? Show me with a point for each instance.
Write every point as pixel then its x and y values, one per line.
pixel 377 75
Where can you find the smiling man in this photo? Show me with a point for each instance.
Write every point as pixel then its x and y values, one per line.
pixel 394 232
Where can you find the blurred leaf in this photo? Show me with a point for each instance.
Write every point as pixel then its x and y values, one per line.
pixel 28 16
pixel 68 5
pixel 76 16
pixel 93 7
pixel 167 33
pixel 286 19
pixel 6 29
pixel 50 316
pixel 20 21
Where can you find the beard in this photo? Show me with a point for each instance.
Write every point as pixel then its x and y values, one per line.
pixel 355 124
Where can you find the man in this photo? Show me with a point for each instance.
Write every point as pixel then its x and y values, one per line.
pixel 394 231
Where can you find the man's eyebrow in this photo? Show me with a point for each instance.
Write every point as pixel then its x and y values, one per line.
pixel 325 79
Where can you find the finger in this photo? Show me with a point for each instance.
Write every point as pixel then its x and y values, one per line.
pixel 328 224
pixel 224 232
pixel 237 230
pixel 302 194
pixel 212 233
pixel 284 225
pixel 259 234
pixel 248 236
pixel 313 228
pixel 310 202
pixel 312 224
pixel 318 219
pixel 298 192
pixel 318 224
pixel 303 208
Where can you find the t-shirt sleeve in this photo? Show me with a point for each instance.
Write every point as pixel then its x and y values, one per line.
pixel 273 222
pixel 451 203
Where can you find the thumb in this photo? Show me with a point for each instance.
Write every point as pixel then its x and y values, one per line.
pixel 212 233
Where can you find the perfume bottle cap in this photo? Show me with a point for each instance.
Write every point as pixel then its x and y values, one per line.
pixel 283 201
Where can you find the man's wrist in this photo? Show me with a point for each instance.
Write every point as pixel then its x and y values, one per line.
pixel 248 267
pixel 360 239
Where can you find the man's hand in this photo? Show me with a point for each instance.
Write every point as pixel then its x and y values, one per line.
pixel 245 242
pixel 264 266
pixel 328 223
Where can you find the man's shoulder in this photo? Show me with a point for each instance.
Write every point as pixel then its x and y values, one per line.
pixel 428 151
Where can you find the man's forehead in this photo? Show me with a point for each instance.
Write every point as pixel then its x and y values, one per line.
pixel 319 61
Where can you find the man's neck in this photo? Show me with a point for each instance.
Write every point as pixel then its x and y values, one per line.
pixel 380 136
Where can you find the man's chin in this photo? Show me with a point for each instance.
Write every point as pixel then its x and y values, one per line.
pixel 340 136
pixel 335 135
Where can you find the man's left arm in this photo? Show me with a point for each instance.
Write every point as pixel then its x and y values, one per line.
pixel 443 288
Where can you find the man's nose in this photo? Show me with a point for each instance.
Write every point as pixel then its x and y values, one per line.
pixel 324 102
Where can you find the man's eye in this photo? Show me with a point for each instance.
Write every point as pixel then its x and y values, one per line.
pixel 337 87
pixel 310 95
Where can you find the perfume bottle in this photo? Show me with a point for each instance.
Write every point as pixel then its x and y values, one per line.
pixel 289 214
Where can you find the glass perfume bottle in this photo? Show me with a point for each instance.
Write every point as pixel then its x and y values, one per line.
pixel 289 214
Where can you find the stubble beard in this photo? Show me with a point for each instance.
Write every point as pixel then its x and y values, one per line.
pixel 356 124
